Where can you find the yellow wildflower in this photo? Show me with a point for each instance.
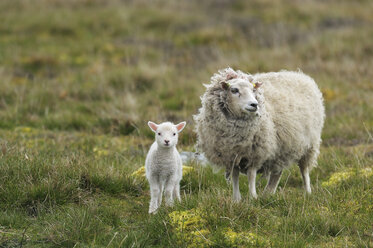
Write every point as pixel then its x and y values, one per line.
pixel 189 227
pixel 187 170
pixel 23 129
pixel 139 174
pixel 100 152
pixel 338 177
pixel 245 239
pixel 368 172
pixel 184 219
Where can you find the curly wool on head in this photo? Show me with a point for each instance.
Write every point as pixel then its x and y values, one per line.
pixel 285 128
pixel 216 124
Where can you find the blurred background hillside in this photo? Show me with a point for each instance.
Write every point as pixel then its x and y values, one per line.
pixel 79 79
pixel 109 66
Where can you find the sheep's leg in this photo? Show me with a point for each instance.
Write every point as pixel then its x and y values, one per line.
pixel 306 179
pixel 305 165
pixel 177 191
pixel 273 181
pixel 169 188
pixel 235 184
pixel 251 175
pixel 154 196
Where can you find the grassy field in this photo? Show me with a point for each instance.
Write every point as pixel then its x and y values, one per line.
pixel 79 79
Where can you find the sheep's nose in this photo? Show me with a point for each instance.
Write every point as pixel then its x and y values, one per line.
pixel 254 105
pixel 166 141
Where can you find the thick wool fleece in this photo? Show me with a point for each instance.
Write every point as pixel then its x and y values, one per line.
pixel 286 129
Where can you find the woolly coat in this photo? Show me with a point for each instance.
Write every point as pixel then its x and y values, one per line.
pixel 163 164
pixel 286 129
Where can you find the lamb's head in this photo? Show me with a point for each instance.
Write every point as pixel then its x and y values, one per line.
pixel 166 133
pixel 239 97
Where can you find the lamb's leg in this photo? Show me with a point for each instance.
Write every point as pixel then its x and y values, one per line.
pixel 235 184
pixel 161 186
pixel 251 175
pixel 169 188
pixel 154 196
pixel 177 191
pixel 272 183
pixel 305 164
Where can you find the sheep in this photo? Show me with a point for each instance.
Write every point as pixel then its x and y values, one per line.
pixel 163 164
pixel 260 123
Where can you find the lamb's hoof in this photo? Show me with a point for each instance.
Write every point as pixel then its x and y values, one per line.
pixel 153 211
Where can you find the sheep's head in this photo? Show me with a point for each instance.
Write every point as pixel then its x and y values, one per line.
pixel 166 134
pixel 240 96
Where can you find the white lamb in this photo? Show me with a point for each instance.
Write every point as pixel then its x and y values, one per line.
pixel 261 123
pixel 163 164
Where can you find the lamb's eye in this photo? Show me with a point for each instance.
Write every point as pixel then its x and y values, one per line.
pixel 234 90
pixel 159 133
pixel 174 134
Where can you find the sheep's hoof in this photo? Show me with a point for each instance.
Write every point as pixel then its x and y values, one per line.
pixel 237 199
pixel 269 191
pixel 254 196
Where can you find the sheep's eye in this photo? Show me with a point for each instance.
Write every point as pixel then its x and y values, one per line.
pixel 234 90
pixel 174 134
pixel 159 133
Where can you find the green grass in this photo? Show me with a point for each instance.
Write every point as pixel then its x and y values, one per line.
pixel 80 79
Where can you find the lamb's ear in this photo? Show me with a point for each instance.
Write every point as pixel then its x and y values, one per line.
pixel 180 126
pixel 153 126
pixel 224 85
pixel 257 84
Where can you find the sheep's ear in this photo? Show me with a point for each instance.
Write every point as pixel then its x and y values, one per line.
pixel 153 126
pixel 257 84
pixel 180 126
pixel 224 85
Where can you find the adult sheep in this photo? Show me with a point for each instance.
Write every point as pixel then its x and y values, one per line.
pixel 262 122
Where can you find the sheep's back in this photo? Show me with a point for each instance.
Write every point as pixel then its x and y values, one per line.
pixel 295 104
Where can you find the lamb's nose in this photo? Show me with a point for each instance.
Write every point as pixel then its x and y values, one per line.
pixel 166 141
pixel 254 105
